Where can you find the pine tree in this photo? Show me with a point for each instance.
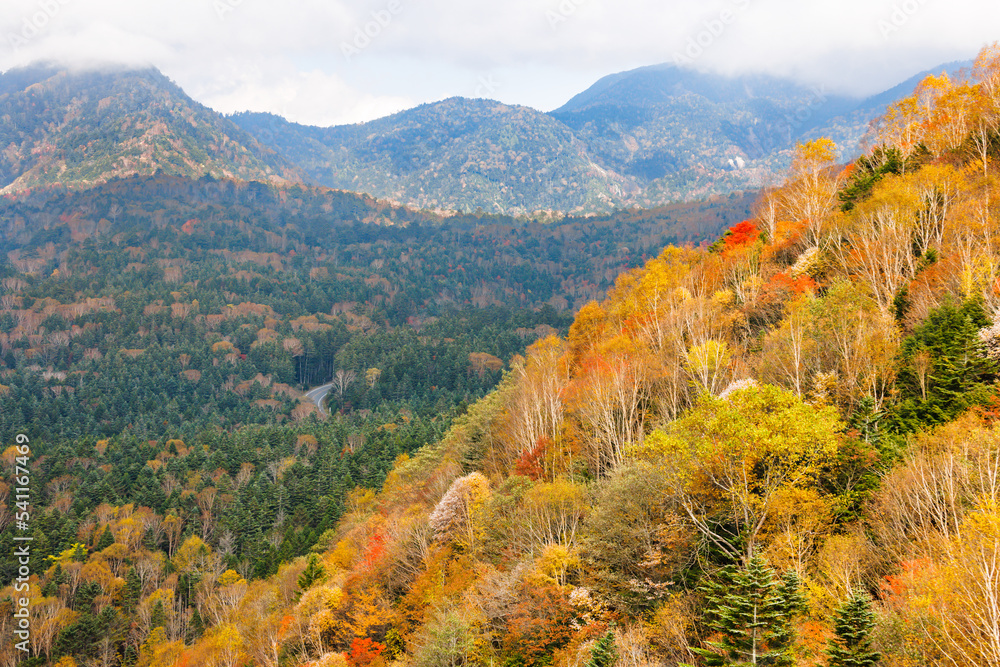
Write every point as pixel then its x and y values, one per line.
pixel 106 539
pixel 133 591
pixel 313 573
pixel 853 626
pixel 792 603
pixel 752 613
pixel 604 654
pixel 157 617
pixel 197 626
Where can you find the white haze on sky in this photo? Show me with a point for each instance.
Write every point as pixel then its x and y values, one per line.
pixel 327 62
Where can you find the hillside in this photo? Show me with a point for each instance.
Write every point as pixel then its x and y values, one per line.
pixel 642 138
pixel 782 445
pixel 83 129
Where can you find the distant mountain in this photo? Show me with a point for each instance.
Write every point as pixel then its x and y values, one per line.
pixel 82 129
pixel 681 133
pixel 639 138
pixel 458 154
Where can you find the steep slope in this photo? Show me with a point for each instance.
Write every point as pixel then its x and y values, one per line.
pixel 457 154
pixel 81 129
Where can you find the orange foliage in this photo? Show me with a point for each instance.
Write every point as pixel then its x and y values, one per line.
pixel 363 652
pixel 540 623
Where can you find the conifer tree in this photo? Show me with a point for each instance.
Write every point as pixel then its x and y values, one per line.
pixel 133 591
pixel 106 539
pixel 313 573
pixel 604 654
pixel 157 617
pixel 751 613
pixel 793 603
pixel 197 626
pixel 853 626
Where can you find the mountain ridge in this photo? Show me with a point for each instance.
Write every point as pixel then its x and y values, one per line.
pixel 640 138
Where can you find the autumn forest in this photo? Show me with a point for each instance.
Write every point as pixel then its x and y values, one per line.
pixel 761 429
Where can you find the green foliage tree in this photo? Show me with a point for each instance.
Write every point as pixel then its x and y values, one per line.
pixel 853 626
pixel 447 640
pixel 944 367
pixel 730 458
pixel 750 613
pixel 314 572
pixel 604 653
pixel 106 540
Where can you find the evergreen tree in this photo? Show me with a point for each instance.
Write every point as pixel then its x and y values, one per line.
pixel 604 654
pixel 106 540
pixel 945 368
pixel 752 614
pixel 197 626
pixel 853 626
pixel 158 617
pixel 793 603
pixel 133 591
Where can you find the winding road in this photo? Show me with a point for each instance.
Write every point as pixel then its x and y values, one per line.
pixel 317 395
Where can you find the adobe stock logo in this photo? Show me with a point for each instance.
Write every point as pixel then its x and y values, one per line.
pixel 712 30
pixel 33 24
pixel 370 31
pixel 900 16
pixel 562 13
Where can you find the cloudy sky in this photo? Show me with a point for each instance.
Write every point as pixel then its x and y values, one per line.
pixel 326 62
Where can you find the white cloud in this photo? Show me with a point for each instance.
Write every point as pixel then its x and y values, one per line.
pixel 310 97
pixel 288 57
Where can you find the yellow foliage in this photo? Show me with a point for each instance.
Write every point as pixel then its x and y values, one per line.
pixel 156 651
pixel 343 554
pixel 191 555
pixel 230 577
pixel 556 563
pixel 370 612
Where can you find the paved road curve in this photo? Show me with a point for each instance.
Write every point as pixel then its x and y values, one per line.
pixel 317 395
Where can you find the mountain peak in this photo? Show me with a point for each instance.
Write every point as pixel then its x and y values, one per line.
pixel 78 128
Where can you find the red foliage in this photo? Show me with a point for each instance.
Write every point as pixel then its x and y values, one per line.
pixel 374 550
pixel 784 282
pixel 741 234
pixel 363 652
pixel 896 585
pixel 188 227
pixel 530 462
pixel 989 413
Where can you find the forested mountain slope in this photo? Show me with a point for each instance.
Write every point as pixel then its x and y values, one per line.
pixel 157 334
pixel 781 448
